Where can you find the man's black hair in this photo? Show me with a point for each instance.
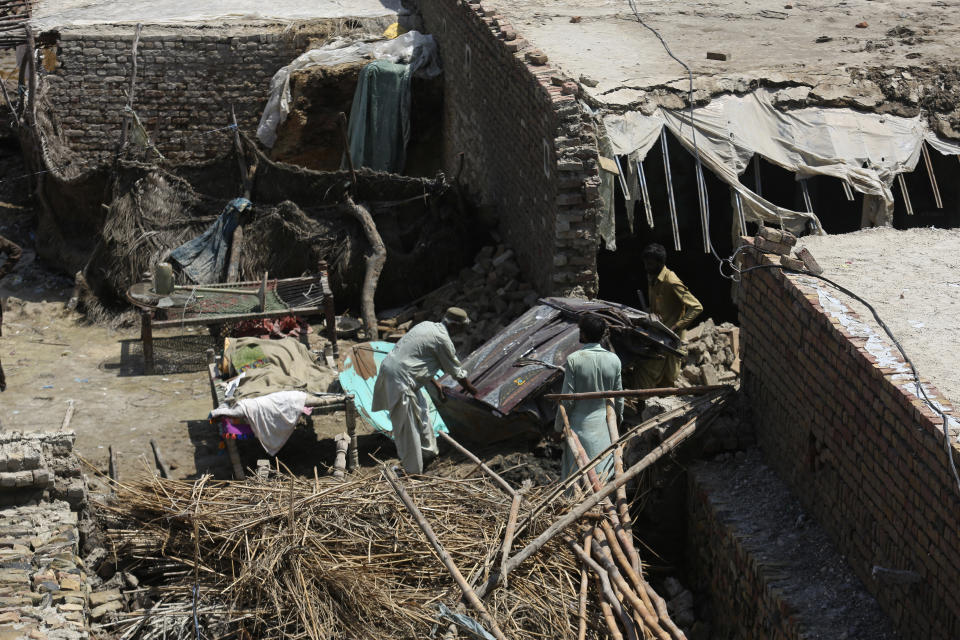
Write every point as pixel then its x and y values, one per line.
pixel 592 328
pixel 655 250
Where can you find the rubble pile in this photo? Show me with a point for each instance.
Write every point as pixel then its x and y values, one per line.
pixel 43 584
pixel 713 354
pixel 38 466
pixel 492 292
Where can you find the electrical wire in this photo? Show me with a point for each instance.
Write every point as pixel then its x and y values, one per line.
pixel 921 392
pixel 737 273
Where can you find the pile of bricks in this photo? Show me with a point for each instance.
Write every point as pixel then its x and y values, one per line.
pixel 861 450
pixel 38 466
pixel 713 354
pixel 43 583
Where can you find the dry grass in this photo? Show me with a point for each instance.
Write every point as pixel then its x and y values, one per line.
pixel 301 558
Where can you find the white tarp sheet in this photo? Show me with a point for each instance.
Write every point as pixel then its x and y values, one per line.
pixel 418 49
pixel 866 150
pixel 49 14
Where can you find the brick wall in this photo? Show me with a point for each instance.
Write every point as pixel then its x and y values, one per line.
pixel 186 82
pixel 530 152
pixel 863 454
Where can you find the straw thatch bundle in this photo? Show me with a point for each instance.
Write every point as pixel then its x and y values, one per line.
pixel 319 558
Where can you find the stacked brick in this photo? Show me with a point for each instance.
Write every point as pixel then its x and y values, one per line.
pixel 863 453
pixel 530 150
pixel 37 466
pixel 186 84
pixel 43 584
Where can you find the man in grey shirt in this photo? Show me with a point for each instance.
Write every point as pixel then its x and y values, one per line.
pixel 415 361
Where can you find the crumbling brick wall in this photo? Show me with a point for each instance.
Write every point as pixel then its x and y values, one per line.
pixel 186 84
pixel 864 455
pixel 530 151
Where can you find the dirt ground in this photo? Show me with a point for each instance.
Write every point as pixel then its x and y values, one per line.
pixel 912 279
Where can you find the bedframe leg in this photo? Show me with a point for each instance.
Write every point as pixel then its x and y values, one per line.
pixel 146 337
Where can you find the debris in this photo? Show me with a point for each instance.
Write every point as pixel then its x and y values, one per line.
pixel 809 262
pixel 862 25
pixel 536 57
pixel 575 19
pixel 712 354
pixel 570 89
pixel 822 39
pixel 791 263
pixel 716 55
pixel 587 80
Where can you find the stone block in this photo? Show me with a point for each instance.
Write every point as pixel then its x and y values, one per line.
pixel 99 598
pixel 98 612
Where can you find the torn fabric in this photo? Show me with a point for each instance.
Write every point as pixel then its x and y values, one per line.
pixel 865 150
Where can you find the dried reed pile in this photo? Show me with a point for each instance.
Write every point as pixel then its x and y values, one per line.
pixel 296 558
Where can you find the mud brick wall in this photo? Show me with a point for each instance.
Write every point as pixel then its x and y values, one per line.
pixel 186 83
pixel 530 151
pixel 40 466
pixel 864 455
pixel 745 603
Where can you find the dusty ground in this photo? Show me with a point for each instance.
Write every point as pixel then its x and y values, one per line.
pixel 814 42
pixel 912 278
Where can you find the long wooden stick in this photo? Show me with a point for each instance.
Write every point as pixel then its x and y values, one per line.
pixel 639 393
pixel 67 417
pixel 158 459
pixel 606 588
pixel 511 529
pixel 584 584
pixel 606 561
pixel 468 593
pixel 493 475
pixel 592 483
pixel 623 510
pixel 590 502
pixel 636 431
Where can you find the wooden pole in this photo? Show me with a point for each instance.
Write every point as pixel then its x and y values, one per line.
pixel 158 460
pixel 375 263
pixel 345 137
pixel 641 428
pixel 592 482
pixel 342 442
pixel 493 474
pixel 67 417
pixel 32 79
pixel 640 393
pixel 511 529
pixel 649 620
pixel 350 416
pixel 236 250
pixel 114 469
pixel 612 602
pixel 623 509
pixel 584 584
pixel 468 593
pixel 668 445
pixel 133 86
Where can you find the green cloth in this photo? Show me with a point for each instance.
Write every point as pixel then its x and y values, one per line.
pixel 592 368
pixel 249 356
pixel 379 127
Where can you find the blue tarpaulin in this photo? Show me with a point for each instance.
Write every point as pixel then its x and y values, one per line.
pixel 204 258
pixel 358 376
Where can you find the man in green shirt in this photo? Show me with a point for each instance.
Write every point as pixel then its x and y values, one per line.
pixel 672 303
pixel 592 368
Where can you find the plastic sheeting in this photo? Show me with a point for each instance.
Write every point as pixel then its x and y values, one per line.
pixel 204 258
pixel 865 150
pixel 49 14
pixel 418 49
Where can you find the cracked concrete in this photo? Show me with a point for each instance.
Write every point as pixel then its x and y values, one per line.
pixel 905 59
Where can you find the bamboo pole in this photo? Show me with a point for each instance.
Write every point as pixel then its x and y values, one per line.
pixel 611 601
pixel 636 603
pixel 592 483
pixel 471 597
pixel 469 454
pixel 640 393
pixel 668 445
pixel 584 584
pixel 623 509
pixel 656 421
pixel 511 529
